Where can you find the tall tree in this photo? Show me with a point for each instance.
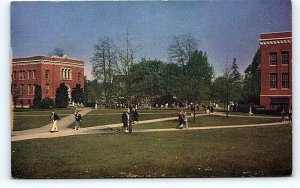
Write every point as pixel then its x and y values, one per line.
pixel 146 78
pixel 235 83
pixel 57 52
pixel 182 49
pixel 62 96
pixel 125 52
pixel 252 80
pixel 37 97
pixel 77 94
pixel 234 72
pixel 104 66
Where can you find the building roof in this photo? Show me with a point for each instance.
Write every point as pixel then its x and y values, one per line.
pixel 46 58
pixel 276 35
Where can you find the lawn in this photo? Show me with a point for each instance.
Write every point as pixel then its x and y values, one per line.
pixel 25 122
pixel 208 120
pixel 24 119
pixel 97 119
pixel 240 152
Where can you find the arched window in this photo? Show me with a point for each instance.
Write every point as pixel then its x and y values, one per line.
pixel 65 74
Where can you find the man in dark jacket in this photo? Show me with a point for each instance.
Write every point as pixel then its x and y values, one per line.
pixel 77 120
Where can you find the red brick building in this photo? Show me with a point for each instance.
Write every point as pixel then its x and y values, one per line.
pixel 276 70
pixel 47 72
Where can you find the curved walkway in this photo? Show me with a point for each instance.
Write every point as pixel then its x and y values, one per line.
pixel 43 132
pixel 63 123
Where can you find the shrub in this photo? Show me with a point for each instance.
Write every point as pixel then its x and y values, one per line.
pixel 47 103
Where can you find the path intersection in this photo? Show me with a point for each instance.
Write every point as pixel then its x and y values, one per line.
pixel 43 132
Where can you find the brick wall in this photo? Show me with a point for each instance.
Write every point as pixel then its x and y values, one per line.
pixel 42 64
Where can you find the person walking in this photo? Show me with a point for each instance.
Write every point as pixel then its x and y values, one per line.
pixel 250 111
pixel 180 119
pixel 124 120
pixel 54 118
pixel 290 115
pixel 186 124
pixel 78 119
pixel 283 115
pixel 135 116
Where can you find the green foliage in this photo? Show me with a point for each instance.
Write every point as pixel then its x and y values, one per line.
pixel 252 80
pixel 77 94
pixel 37 97
pixel 146 78
pixel 93 91
pixel 62 97
pixel 47 103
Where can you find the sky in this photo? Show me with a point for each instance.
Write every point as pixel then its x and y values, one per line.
pixel 223 29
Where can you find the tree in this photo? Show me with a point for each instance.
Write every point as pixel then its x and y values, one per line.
pixel 37 97
pixel 235 83
pixel 77 94
pixel 182 49
pixel 104 66
pixel 234 73
pixel 62 97
pixel 125 53
pixel 252 80
pixel 146 79
pixel 219 90
pixel 196 84
pixel 57 52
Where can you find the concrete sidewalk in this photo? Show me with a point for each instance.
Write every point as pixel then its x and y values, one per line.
pixel 62 124
pixel 64 131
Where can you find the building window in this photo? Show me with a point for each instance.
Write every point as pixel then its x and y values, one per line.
pixel 273 80
pixel 29 74
pixel 47 74
pixel 34 74
pixel 285 58
pixel 65 74
pixel 273 58
pixel 22 75
pixel 79 76
pixel 14 75
pixel 33 89
pixel 29 89
pixel 22 89
pixel 47 89
pixel 285 81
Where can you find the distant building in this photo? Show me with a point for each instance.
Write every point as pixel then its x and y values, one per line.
pixel 47 72
pixel 276 70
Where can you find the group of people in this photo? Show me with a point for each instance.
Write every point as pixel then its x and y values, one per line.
pixel 130 117
pixel 54 118
pixel 284 114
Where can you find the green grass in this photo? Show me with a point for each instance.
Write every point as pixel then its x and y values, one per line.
pixel 208 120
pixel 260 151
pixel 29 122
pixel 92 120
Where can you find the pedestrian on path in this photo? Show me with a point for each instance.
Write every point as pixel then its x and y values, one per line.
pixel 290 115
pixel 78 119
pixel 186 124
pixel 283 115
pixel 180 119
pixel 54 118
pixel 125 121
pixel 250 111
pixel 135 116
